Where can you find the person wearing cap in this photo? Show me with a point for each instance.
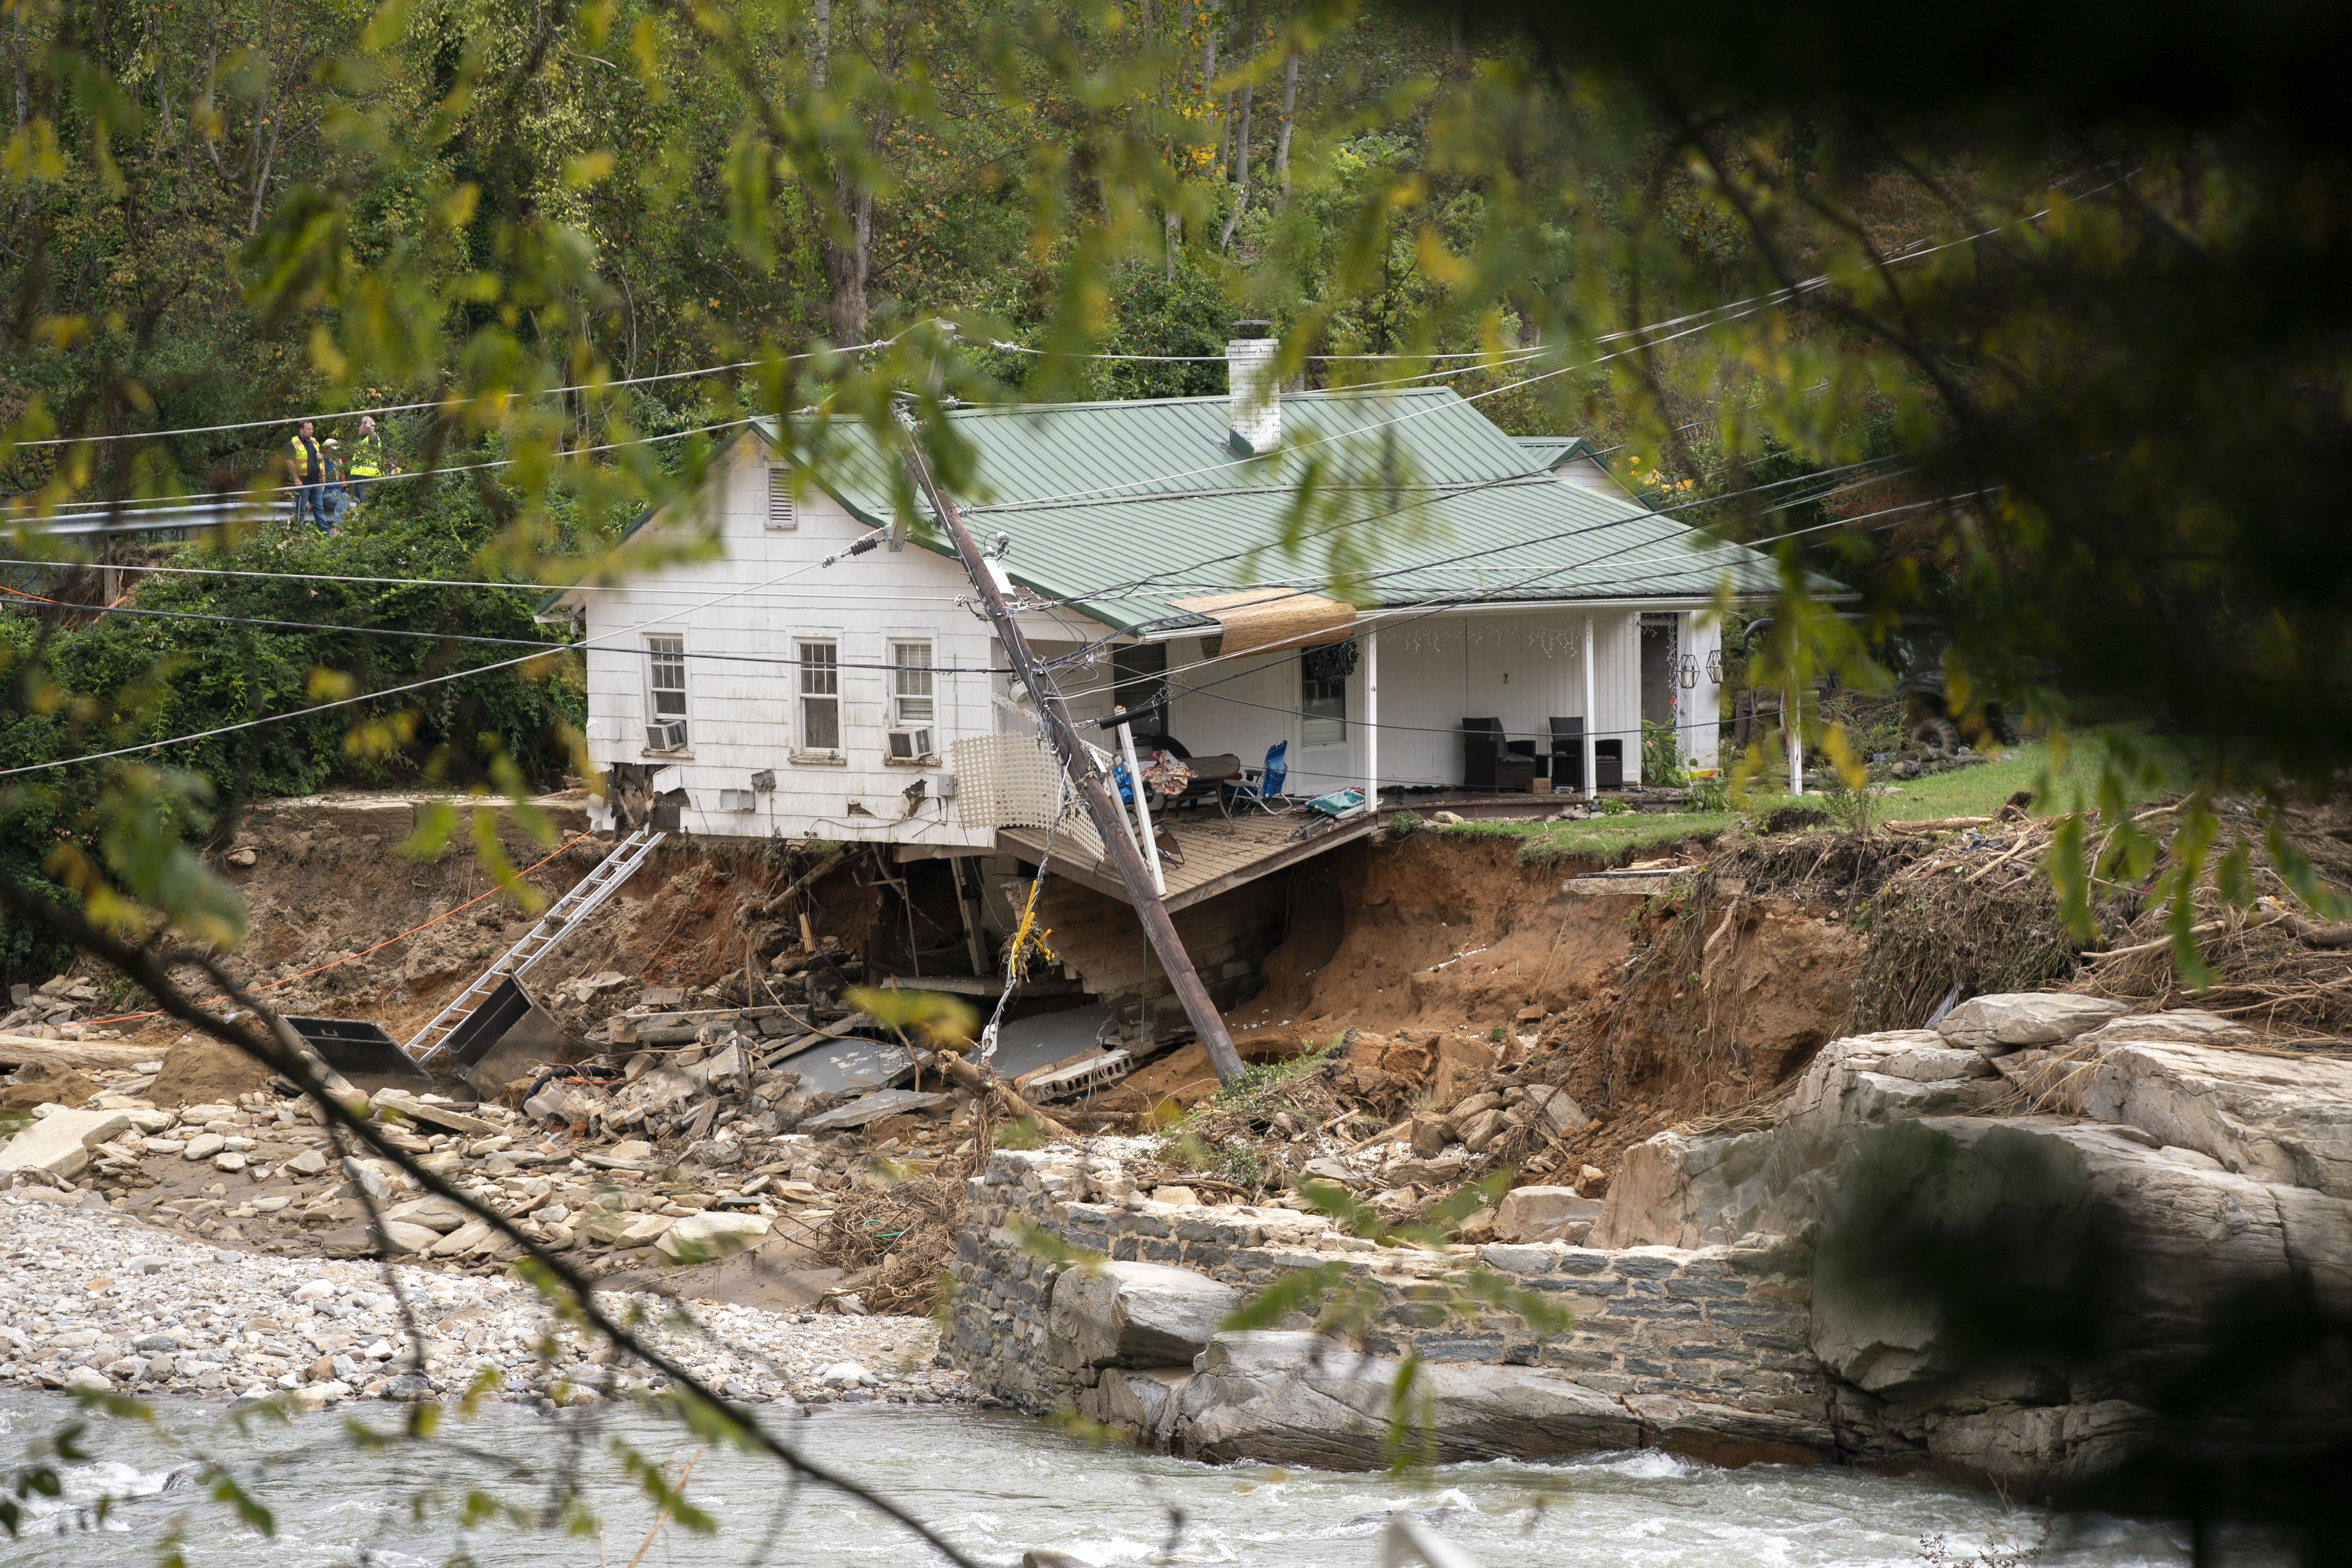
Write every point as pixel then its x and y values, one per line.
pixel 306 465
pixel 367 455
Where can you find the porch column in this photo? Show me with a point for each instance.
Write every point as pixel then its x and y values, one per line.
pixel 1792 725
pixel 1372 720
pixel 1592 720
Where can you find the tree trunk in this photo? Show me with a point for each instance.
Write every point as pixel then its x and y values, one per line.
pixel 1289 118
pixel 1240 169
pixel 844 240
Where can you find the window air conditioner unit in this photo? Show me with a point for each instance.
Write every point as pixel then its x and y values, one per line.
pixel 737 800
pixel 670 736
pixel 906 745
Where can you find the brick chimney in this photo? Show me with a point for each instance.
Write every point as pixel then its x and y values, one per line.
pixel 1255 421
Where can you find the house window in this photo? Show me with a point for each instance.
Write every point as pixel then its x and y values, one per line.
pixel 1323 708
pixel 911 683
pixel 665 693
pixel 780 499
pixel 820 697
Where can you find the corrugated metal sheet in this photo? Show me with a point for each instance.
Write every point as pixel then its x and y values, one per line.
pixel 1406 497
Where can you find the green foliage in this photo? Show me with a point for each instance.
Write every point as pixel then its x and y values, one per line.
pixel 1662 763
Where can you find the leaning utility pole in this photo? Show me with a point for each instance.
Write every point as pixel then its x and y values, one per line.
pixel 1108 820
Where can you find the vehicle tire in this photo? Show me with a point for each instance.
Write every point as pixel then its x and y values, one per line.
pixel 1937 733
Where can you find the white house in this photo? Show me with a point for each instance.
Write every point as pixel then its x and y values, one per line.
pixel 1192 545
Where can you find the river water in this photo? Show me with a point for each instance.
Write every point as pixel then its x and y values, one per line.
pixel 995 1485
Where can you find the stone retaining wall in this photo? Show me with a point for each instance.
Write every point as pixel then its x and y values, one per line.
pixel 1671 1335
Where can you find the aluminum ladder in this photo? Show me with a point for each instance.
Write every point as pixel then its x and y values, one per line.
pixel 583 901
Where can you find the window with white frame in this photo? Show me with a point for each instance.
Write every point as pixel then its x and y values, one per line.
pixel 820 697
pixel 1322 708
pixel 780 499
pixel 910 690
pixel 666 692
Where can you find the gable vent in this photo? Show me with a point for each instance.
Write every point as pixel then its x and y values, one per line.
pixel 780 499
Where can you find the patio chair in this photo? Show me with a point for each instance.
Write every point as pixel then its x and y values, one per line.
pixel 1486 765
pixel 1260 786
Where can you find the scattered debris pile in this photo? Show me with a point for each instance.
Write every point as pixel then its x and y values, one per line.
pixel 54 1009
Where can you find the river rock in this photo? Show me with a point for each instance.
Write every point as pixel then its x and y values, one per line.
pixel 2281 1121
pixel 403 1237
pixel 435 1212
pixel 204 1146
pixel 1137 1314
pixel 59 1143
pixel 2186 1026
pixel 2008 1020
pixel 1545 1214
pixel 1935 1064
pixel 714 1233
pixel 1555 1110
pixel 1294 1398
pixel 474 1234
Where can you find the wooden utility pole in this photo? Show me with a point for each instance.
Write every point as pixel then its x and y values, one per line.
pixel 1207 1024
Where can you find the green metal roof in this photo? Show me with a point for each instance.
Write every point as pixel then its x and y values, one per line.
pixel 1409 497
pixel 1551 451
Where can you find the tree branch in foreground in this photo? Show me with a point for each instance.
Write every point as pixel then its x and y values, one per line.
pixel 138 963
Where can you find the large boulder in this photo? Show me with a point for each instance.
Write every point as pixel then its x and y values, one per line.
pixel 1293 1397
pixel 1545 1214
pixel 1137 1314
pixel 714 1233
pixel 2017 1293
pixel 2279 1120
pixel 2006 1020
pixel 59 1143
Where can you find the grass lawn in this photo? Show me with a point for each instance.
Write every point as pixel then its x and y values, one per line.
pixel 1967 792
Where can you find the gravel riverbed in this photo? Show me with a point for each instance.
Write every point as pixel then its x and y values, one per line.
pixel 91 1298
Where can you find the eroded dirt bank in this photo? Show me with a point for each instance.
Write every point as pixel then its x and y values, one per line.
pixel 1462 960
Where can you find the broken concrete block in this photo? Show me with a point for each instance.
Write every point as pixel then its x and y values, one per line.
pixel 440 1116
pixel 1545 1214
pixel 2009 1019
pixel 711 1234
pixel 1137 1314
pixel 60 1143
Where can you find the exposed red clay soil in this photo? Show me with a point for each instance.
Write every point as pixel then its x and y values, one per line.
pixel 1647 1012
pixel 328 879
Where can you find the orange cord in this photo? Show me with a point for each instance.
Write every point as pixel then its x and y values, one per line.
pixel 404 936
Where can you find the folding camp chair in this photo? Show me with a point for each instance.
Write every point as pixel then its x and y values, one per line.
pixel 1260 786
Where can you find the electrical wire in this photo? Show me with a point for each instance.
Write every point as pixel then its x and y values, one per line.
pixel 450 402
pixel 430 680
pixel 463 637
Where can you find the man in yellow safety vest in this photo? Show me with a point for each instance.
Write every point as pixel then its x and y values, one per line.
pixel 307 466
pixel 367 453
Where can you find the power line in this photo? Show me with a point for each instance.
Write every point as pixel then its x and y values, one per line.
pixel 864 542
pixel 450 400
pixel 465 636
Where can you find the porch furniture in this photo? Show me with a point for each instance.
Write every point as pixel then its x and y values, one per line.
pixel 1211 774
pixel 1486 765
pixel 1260 786
pixel 1568 758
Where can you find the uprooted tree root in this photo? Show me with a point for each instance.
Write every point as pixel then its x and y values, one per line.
pixel 2261 970
pixel 1930 935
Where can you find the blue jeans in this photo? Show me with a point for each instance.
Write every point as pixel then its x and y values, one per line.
pixel 306 504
